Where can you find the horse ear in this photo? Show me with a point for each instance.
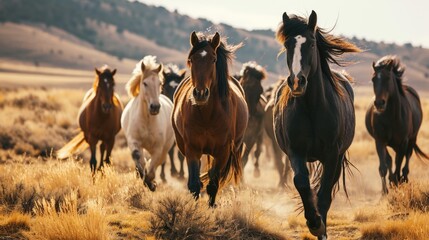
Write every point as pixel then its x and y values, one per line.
pixel 285 18
pixel 312 21
pixel 215 41
pixel 194 39
pixel 113 72
pixel 160 68
pixel 142 67
pixel 182 74
pixel 97 71
pixel 373 65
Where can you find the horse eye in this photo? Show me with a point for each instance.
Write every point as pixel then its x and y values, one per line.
pixel 189 60
pixel 144 84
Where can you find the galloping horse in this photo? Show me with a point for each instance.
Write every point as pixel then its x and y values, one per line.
pixel 393 119
pixel 172 78
pixel 210 115
pixel 99 120
pixel 146 119
pixel 314 115
pixel 251 75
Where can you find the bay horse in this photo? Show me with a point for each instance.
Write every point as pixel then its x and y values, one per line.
pixel 146 119
pixel 394 119
pixel 210 115
pixel 250 78
pixel 99 120
pixel 314 115
pixel 172 78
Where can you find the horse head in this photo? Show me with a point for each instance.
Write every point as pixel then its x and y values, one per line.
pixel 105 87
pixel 172 77
pixel 150 86
pixel 202 62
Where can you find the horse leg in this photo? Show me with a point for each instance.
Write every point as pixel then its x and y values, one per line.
pixel 302 184
pixel 382 169
pixel 405 169
pixel 102 151
pixel 139 160
pixel 331 174
pixel 93 161
pixel 257 153
pixel 194 182
pixel 173 169
pixel 281 168
pixel 181 159
pixel 219 163
pixel 158 158
pixel 398 162
pixel 162 175
pixel 109 148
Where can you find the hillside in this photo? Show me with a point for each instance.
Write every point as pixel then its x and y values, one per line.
pixel 114 31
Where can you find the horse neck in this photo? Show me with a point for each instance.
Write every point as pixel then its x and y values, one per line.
pixel 317 86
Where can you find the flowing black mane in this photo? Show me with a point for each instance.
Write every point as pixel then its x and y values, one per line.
pixel 225 53
pixel 330 47
pixel 393 63
pixel 253 69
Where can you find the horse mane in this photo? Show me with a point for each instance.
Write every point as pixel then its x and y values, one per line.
pixel 172 69
pixel 225 54
pixel 254 69
pixel 392 62
pixel 103 69
pixel 330 47
pixel 133 85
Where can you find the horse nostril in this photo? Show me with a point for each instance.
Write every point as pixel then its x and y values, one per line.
pixel 195 92
pixel 206 92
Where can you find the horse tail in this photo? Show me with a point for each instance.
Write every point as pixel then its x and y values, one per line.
pixel 419 152
pixel 232 169
pixel 76 145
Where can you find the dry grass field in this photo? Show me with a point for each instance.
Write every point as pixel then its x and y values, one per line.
pixel 45 198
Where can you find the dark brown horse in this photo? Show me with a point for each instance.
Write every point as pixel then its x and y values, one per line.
pixel 393 119
pixel 172 78
pixel 281 162
pixel 250 78
pixel 210 115
pixel 99 120
pixel 314 115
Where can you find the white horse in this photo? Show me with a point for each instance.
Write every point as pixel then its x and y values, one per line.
pixel 146 119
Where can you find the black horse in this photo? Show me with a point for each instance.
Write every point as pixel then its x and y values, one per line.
pixel 172 78
pixel 250 78
pixel 314 115
pixel 394 119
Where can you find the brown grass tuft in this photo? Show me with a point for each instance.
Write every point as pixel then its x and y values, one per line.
pixel 13 224
pixel 412 196
pixel 414 227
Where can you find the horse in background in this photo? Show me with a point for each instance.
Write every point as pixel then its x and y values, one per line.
pixel 99 120
pixel 210 115
pixel 250 78
pixel 314 116
pixel 394 119
pixel 146 119
pixel 280 159
pixel 172 78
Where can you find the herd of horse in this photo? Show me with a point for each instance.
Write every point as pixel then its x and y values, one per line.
pixel 216 119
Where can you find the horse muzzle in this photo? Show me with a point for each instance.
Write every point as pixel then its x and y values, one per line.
pixel 201 96
pixel 154 108
pixel 106 107
pixel 297 86
pixel 380 105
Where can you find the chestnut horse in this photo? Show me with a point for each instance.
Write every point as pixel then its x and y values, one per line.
pixel 314 116
pixel 99 120
pixel 393 119
pixel 210 115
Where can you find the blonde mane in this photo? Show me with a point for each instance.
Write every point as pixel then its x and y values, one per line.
pixel 133 85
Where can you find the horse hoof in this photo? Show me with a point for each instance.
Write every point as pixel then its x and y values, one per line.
pixel 317 231
pixel 256 173
pixel 152 186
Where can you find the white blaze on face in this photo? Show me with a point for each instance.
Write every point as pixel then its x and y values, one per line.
pixel 296 62
pixel 173 84
pixel 203 53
